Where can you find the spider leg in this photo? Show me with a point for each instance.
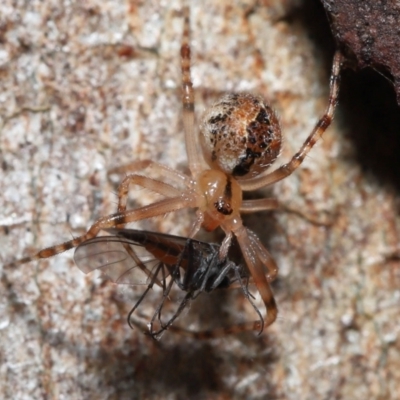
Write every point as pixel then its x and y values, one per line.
pixel 249 297
pixel 151 167
pixel 251 250
pixel 196 224
pixel 161 207
pixel 226 243
pixel 191 139
pixel 327 218
pixel 249 206
pixel 321 126
pixel 147 183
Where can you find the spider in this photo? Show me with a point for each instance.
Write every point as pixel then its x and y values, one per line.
pixel 134 257
pixel 240 139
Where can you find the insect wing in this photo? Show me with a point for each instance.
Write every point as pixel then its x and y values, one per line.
pixel 117 258
pixel 169 249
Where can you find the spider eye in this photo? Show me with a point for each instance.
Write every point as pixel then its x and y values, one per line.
pixel 241 135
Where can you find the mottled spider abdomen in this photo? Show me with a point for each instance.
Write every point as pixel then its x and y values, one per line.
pixel 241 135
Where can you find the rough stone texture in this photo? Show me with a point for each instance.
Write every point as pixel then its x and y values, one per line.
pixel 87 86
pixel 369 31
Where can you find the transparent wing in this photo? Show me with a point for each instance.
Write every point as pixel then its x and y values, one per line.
pixel 120 259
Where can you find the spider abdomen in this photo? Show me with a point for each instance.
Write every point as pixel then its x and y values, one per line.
pixel 241 135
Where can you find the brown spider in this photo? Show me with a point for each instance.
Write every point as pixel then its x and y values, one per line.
pixel 240 139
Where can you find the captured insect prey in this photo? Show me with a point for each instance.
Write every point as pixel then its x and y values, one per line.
pixel 134 257
pixel 239 138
